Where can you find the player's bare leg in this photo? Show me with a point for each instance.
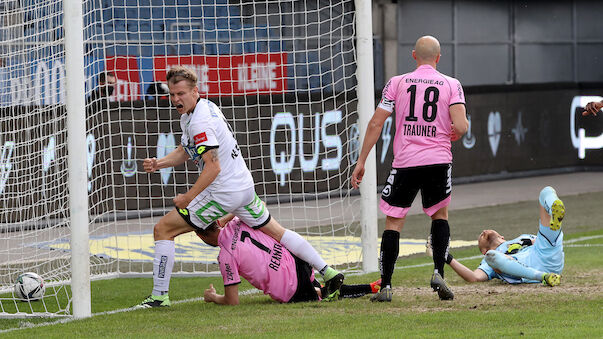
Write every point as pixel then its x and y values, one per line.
pixel 440 240
pixel 301 248
pixel 169 227
pixel 390 248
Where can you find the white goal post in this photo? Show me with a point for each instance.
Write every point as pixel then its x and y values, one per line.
pixel 76 157
pixel 83 101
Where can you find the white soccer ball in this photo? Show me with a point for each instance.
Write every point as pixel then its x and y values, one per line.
pixel 29 286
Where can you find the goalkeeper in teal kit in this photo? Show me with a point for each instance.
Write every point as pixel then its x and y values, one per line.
pixel 527 258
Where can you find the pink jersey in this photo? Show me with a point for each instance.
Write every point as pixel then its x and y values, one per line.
pixel 265 263
pixel 421 100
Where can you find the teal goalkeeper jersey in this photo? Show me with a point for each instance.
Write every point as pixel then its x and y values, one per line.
pixel 546 254
pixel 520 248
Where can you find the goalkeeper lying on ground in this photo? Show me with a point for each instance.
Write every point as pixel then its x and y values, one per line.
pixel 266 264
pixel 527 258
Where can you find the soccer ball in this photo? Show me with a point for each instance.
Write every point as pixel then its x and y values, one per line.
pixel 29 287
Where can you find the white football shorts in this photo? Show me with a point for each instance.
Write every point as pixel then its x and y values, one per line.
pixel 210 206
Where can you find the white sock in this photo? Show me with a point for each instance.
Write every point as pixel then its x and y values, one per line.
pixel 302 249
pixel 165 250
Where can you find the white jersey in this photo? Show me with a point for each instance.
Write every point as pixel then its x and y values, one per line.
pixel 206 128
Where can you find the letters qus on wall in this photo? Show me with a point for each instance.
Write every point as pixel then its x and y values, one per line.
pixel 291 146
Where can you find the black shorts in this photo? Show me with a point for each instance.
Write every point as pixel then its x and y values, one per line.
pixel 403 184
pixel 305 287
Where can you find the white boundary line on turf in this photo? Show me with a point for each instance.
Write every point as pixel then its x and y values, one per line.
pixel 254 291
pixel 134 308
pixel 571 241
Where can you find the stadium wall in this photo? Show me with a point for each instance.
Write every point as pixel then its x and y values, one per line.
pixel 512 132
pixel 505 42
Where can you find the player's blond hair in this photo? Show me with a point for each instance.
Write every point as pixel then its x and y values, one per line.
pixel 181 73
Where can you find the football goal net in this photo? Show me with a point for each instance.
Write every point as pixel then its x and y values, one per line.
pixel 83 100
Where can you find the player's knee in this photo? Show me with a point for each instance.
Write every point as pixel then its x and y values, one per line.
pixel 442 213
pixel 163 231
pixel 394 224
pixel 159 231
pixel 273 229
pixel 545 191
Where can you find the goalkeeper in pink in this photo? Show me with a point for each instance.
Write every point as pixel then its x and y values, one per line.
pixel 247 252
pixel 430 112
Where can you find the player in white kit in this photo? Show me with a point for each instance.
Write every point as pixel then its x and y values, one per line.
pixel 225 185
pixel 430 112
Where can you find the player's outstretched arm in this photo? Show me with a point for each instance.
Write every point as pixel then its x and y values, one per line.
pixel 175 158
pixel 466 273
pixel 592 108
pixel 230 297
pixel 371 136
pixel 207 176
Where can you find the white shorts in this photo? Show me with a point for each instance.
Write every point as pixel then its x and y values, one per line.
pixel 208 207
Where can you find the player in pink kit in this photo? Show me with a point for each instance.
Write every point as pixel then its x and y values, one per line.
pixel 430 112
pixel 266 264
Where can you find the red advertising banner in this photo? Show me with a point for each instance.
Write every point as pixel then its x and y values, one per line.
pixel 125 68
pixel 231 74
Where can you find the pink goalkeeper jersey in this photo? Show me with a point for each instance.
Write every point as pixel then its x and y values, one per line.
pixel 421 100
pixel 265 263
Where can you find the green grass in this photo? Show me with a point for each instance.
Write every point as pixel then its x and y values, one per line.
pixel 490 309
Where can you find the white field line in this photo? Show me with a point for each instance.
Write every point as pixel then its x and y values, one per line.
pixel 25 324
pixel 254 291
pixel 571 241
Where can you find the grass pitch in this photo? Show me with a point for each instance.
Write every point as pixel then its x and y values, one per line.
pixel 491 309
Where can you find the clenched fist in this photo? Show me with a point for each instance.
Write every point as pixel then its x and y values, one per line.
pixel 150 165
pixel 182 201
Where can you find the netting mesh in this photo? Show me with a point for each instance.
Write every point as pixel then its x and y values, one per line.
pixel 283 73
pixel 33 190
